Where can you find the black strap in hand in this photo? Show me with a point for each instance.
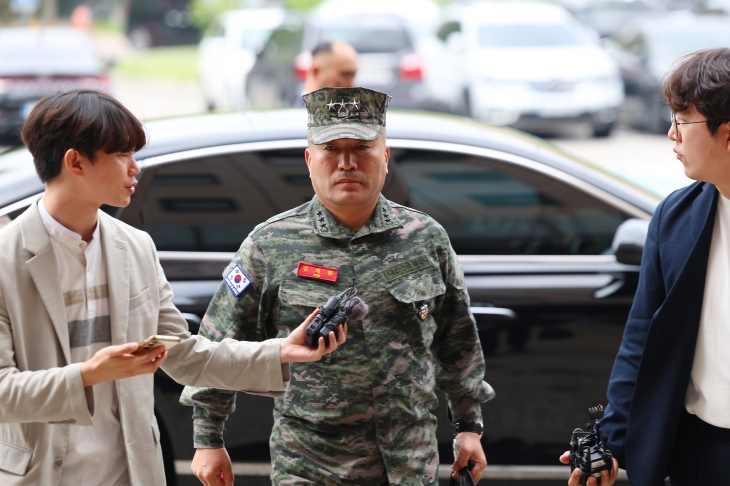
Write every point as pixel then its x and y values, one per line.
pixel 465 477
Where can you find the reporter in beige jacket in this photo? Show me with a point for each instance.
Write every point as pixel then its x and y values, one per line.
pixel 82 143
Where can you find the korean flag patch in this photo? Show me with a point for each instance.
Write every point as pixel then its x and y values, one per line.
pixel 237 281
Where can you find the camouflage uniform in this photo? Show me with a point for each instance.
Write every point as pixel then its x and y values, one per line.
pixel 362 415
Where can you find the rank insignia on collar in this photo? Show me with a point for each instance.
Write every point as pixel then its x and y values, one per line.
pixel 307 270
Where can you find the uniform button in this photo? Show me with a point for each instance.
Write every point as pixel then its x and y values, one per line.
pixel 58 462
pixel 82 245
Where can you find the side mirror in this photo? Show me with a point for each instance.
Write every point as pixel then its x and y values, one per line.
pixel 628 241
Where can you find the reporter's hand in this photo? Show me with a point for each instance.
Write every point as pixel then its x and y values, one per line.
pixel 607 479
pixel 213 467
pixel 117 362
pixel 294 347
pixel 469 448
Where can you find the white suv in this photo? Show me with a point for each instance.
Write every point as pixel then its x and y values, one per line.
pixel 531 65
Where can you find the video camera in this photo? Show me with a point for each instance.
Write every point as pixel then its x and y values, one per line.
pixel 588 450
pixel 335 312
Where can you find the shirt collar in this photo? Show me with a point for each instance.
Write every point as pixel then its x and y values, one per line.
pixel 324 224
pixel 63 235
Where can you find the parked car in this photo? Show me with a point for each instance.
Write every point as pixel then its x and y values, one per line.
pixel 532 66
pixel 153 23
pixel 550 282
pixel 35 62
pixel 650 48
pixel 228 51
pixel 395 55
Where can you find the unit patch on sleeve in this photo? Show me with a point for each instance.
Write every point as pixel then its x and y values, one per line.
pixel 308 270
pixel 237 280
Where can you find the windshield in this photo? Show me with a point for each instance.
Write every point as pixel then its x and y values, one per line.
pixel 369 35
pixel 528 35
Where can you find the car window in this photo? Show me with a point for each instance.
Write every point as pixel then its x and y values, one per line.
pixel 528 35
pixel 490 207
pixel 211 204
pixel 368 35
pixel 284 43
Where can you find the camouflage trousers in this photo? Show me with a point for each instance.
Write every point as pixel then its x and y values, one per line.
pixel 351 455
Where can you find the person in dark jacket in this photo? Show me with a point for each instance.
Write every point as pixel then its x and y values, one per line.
pixel 668 410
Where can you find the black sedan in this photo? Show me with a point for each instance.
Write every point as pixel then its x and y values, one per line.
pixel 546 243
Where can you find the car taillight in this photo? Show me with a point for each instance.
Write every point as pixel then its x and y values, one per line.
pixel 302 63
pixel 411 68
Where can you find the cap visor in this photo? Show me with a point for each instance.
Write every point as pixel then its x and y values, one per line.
pixel 357 131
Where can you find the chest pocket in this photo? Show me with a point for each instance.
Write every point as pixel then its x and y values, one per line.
pixel 299 297
pixel 413 291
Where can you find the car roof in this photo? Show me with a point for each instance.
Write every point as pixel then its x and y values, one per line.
pixel 47 51
pixel 174 135
pixel 196 132
pixel 252 18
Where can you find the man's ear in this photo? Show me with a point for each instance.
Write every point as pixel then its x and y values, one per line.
pixel 387 158
pixel 727 127
pixel 308 159
pixel 74 162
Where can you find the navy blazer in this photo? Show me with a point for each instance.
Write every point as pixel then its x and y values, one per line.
pixel 651 373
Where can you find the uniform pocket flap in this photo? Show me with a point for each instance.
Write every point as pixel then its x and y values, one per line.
pixel 14 459
pixel 415 287
pixel 307 293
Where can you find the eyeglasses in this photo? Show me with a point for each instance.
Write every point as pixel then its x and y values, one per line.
pixel 676 123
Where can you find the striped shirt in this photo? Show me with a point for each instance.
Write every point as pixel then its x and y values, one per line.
pixel 95 455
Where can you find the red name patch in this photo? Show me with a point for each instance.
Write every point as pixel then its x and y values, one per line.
pixel 308 270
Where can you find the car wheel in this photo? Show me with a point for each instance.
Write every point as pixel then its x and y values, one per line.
pixel 602 130
pixel 168 454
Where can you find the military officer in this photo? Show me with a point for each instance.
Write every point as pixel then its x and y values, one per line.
pixel 363 416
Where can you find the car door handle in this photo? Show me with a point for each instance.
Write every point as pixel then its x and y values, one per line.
pixel 501 313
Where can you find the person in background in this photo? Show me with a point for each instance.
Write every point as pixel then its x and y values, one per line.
pixel 334 64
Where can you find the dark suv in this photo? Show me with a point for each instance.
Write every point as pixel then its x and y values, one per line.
pixel 534 230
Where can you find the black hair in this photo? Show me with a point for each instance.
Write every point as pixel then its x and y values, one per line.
pixel 701 79
pixel 82 119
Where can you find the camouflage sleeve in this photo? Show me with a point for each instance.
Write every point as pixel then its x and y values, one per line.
pixel 458 351
pixel 233 317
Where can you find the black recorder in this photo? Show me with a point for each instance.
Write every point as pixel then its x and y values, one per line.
pixel 335 312
pixel 588 451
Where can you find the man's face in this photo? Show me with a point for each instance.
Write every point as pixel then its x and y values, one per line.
pixel 337 68
pixel 704 156
pixel 110 179
pixel 348 174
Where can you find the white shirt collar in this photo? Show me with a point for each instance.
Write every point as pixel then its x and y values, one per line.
pixel 63 235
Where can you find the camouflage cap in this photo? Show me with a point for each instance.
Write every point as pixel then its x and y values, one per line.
pixel 336 113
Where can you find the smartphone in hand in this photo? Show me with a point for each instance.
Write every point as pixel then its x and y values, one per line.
pixel 155 341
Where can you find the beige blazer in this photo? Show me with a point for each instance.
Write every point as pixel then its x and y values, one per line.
pixel 41 393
